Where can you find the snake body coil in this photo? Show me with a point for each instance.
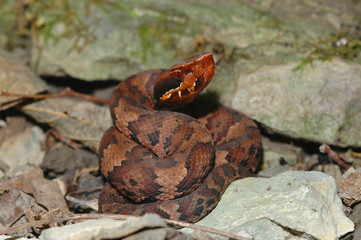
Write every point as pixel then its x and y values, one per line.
pixel 167 162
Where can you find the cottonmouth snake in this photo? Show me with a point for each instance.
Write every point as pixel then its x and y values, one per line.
pixel 167 162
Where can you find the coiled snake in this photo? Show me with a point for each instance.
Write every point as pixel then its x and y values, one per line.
pixel 167 162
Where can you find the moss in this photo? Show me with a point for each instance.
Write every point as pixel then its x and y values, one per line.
pixel 43 15
pixel 164 29
pixel 12 26
pixel 345 45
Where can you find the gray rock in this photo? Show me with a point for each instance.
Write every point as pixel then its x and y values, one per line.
pixel 273 171
pixel 321 102
pixel 115 40
pixel 7 21
pixel 303 202
pixel 16 77
pixel 264 229
pixel 101 228
pixel 150 226
pixel 22 149
pixel 318 103
pixel 355 216
pixel 4 237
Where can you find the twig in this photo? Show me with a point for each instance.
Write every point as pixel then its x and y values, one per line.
pixel 65 92
pixel 356 154
pixel 88 190
pixel 326 149
pixel 118 217
pixel 85 204
pixel 57 135
pixel 80 172
pixel 206 229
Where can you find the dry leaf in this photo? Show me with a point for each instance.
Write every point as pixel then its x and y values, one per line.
pixel 22 148
pixel 15 77
pixel 350 188
pixel 75 119
pixel 44 191
pixel 334 171
pixel 28 192
pixel 13 126
pixel 65 158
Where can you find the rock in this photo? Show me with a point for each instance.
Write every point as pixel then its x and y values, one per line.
pixel 355 216
pixel 275 151
pixel 111 42
pixel 273 171
pixel 3 237
pixel 23 148
pixel 321 102
pixel 303 202
pixel 150 226
pixel 334 171
pixel 16 77
pixel 8 20
pixel 262 39
pixel 265 229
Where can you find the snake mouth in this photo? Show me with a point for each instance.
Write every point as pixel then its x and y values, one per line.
pixel 190 87
pixel 179 85
pixel 169 86
pixel 182 91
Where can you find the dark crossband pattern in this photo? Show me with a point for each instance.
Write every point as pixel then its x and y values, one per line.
pixel 166 162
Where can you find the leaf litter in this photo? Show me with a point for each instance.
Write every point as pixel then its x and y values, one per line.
pixel 35 196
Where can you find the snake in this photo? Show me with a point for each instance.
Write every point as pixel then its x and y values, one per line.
pixel 156 158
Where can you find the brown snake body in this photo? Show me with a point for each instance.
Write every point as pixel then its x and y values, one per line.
pixel 167 162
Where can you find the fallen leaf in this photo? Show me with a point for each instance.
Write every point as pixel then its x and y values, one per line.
pixel 73 118
pixel 29 191
pixel 16 77
pixel 22 148
pixel 350 188
pixel 13 126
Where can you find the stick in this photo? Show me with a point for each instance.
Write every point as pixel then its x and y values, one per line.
pixel 326 149
pixel 65 92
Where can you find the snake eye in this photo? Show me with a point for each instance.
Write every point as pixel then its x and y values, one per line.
pixel 177 74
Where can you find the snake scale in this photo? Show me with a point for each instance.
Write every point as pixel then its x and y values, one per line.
pixel 156 160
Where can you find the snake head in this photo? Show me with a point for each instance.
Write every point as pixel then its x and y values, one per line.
pixel 181 84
